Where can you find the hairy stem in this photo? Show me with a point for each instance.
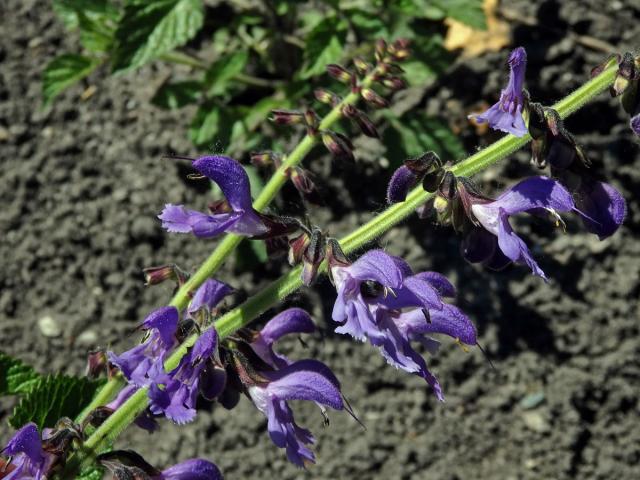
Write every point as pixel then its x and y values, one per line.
pixel 288 283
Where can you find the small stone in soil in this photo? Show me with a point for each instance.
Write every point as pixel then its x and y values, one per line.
pixel 49 327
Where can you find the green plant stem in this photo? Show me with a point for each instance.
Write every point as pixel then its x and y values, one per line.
pixel 288 283
pixel 230 241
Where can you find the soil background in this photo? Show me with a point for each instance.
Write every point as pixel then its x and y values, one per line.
pixel 80 186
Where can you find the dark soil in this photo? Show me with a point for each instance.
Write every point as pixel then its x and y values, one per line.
pixel 82 182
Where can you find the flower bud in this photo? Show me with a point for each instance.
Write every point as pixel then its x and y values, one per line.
pixel 394 83
pixel 159 274
pixel 264 159
pixel 302 181
pixel 339 73
pixel 297 246
pixel 399 49
pixel 448 188
pixel 362 67
pixel 96 364
pixel 366 125
pixel 312 121
pixel 287 117
pixel 338 144
pixel 313 256
pixel 327 97
pixel 381 49
pixel 371 97
pixel 626 73
pixel 425 163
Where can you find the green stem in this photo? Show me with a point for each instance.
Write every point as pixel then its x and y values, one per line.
pixel 288 283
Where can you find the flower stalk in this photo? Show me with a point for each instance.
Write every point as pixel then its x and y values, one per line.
pixel 290 282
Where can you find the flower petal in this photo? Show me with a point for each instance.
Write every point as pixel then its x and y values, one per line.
pixel 438 281
pixel 292 320
pixel 26 440
pixel 230 177
pixel 306 380
pixel 513 246
pixel 193 469
pixel 602 208
pixel 401 182
pixel 449 321
pixel 532 193
pixel 209 294
pixel 379 266
pixel 165 321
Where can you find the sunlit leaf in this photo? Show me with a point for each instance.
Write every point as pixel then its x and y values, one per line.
pixel 178 94
pixel 222 72
pixel 15 376
pixel 64 71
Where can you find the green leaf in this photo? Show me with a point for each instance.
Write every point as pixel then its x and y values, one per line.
pixel 151 28
pixel 413 134
pixel 219 75
pixel 15 376
pixel 53 397
pixel 178 94
pixel 64 71
pixel 91 473
pixel 469 12
pixel 211 127
pixel 68 11
pixel 323 46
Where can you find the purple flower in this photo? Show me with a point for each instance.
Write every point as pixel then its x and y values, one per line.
pixel 234 183
pixel 292 320
pixel 210 293
pixel 29 460
pixel 380 299
pixel 193 469
pixel 143 361
pixel 533 195
pixel 601 207
pixel 506 115
pixel 174 394
pixel 301 380
pixel 402 180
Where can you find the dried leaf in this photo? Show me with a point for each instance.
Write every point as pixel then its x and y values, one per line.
pixel 476 42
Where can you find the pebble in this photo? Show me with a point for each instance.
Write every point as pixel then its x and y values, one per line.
pixel 4 134
pixel 49 327
pixel 87 338
pixel 535 421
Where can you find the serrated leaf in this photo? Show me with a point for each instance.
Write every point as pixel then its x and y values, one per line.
pixel 151 28
pixel 323 46
pixel 53 397
pixel 413 134
pixel 64 71
pixel 15 376
pixel 220 74
pixel 211 127
pixel 178 94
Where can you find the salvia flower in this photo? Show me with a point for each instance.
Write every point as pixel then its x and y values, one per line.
pixel 125 464
pixel 28 458
pixel 208 295
pixel 234 183
pixel 174 394
pixel 533 195
pixel 301 380
pixel 380 299
pixel 292 320
pixel 506 114
pixel 139 364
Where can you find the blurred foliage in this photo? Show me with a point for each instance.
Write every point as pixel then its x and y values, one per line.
pixel 248 57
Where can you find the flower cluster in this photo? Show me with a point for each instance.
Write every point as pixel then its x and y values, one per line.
pixel 381 300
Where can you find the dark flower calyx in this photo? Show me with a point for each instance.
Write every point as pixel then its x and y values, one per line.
pixel 625 74
pixel 327 97
pixel 340 73
pixel 287 117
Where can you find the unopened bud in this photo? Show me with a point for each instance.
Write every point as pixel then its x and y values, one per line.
pixel 327 97
pixel 399 49
pixel 425 163
pixel 371 97
pixel 366 125
pixel 287 117
pixel 338 144
pixel 394 83
pixel 312 121
pixel 448 187
pixel 381 49
pixel 159 274
pixel 335 257
pixel 297 246
pixel 265 159
pixel 339 73
pixel 626 73
pixel 313 256
pixel 362 67
pixel 96 364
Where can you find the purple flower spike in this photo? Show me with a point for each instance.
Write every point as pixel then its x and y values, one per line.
pixel 194 469
pixel 302 380
pixel 292 320
pixel 234 183
pixel 29 461
pixel 210 293
pixel 401 182
pixel 174 394
pixel 143 361
pixel 506 115
pixel 531 195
